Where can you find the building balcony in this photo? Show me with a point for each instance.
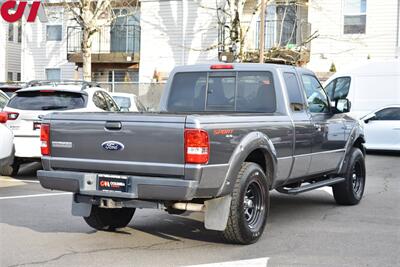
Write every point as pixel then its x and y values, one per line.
pixel 111 44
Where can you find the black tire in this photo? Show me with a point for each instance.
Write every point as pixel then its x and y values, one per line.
pixel 250 206
pixel 109 219
pixel 10 170
pixel 350 192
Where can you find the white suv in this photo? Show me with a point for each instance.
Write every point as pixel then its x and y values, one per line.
pixel 6 145
pixel 27 107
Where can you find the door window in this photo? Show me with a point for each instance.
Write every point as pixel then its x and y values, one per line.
pixel 316 96
pixel 100 101
pixel 110 102
pixel 338 88
pixel 295 95
pixel 388 114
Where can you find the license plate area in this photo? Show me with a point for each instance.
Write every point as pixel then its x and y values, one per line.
pixel 113 183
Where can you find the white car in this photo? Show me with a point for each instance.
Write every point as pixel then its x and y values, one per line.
pixel 3 99
pixel 128 102
pixel 382 129
pixel 6 145
pixel 26 108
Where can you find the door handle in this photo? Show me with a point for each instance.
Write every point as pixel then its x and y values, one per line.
pixel 113 125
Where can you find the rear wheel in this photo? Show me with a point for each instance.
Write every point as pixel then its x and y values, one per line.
pixel 109 219
pixel 249 207
pixel 10 170
pixel 351 191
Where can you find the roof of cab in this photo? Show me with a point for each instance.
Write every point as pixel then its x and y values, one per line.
pixel 237 67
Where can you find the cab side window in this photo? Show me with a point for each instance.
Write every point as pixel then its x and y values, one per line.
pixel 388 114
pixel 338 88
pixel 295 95
pixel 99 101
pixel 316 97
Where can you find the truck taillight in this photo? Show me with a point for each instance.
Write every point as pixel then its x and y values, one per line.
pixel 12 116
pixel 197 146
pixel 45 139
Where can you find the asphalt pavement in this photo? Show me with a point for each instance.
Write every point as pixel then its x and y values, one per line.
pixel 37 229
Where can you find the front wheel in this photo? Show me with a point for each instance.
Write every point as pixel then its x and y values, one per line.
pixel 109 219
pixel 249 207
pixel 350 192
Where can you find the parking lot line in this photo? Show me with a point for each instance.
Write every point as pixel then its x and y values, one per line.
pixel 35 195
pixel 260 262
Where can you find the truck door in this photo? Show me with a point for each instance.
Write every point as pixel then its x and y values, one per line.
pixel 329 129
pixel 302 126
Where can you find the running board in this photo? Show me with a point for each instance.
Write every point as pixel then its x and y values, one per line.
pixel 312 186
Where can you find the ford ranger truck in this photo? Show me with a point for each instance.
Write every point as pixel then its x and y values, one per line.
pixel 225 136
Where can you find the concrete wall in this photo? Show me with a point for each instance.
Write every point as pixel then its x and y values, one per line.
pixel 379 41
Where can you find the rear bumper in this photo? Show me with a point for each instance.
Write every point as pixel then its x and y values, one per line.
pixel 27 147
pixel 151 188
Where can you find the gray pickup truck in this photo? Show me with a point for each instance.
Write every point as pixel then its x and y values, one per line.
pixel 224 137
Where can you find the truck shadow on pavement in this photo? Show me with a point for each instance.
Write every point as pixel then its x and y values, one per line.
pixel 283 210
pixel 164 226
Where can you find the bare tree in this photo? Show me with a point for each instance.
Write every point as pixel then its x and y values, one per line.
pixel 91 16
pixel 231 15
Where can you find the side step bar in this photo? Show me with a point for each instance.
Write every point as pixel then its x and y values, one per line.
pixel 312 186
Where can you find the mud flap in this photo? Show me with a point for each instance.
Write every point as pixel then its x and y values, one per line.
pixel 81 209
pixel 217 213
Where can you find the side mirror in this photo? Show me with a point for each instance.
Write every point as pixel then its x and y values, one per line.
pixel 343 105
pixel 369 117
pixel 124 109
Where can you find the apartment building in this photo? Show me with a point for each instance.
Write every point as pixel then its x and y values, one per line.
pixel 351 31
pixel 10 51
pixel 146 45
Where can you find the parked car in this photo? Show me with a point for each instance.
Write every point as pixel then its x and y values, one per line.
pixel 225 136
pixel 382 129
pixel 27 107
pixel 128 102
pixel 6 145
pixel 370 86
pixel 10 88
pixel 3 99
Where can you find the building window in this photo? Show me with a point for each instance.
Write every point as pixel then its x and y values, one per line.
pixel 19 32
pixel 53 74
pixel 18 76
pixel 54 33
pixel 10 76
pixel 11 32
pixel 355 16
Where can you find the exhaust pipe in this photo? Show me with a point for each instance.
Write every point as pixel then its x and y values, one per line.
pixel 189 206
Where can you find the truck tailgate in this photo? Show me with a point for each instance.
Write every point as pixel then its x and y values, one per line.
pixel 147 144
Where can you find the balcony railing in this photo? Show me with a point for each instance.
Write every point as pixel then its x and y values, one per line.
pixel 278 33
pixel 109 39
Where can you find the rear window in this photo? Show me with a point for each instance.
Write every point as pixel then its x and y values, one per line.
pixel 222 91
pixel 54 100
